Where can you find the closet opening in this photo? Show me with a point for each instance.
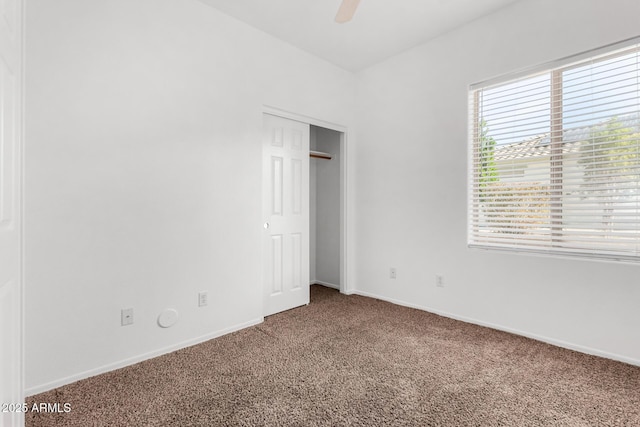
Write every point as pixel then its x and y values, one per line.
pixel 326 257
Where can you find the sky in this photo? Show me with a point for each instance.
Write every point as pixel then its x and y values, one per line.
pixel 592 93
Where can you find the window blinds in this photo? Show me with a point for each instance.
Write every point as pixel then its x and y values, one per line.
pixel 554 163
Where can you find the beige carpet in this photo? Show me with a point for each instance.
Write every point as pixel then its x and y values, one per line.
pixel 350 360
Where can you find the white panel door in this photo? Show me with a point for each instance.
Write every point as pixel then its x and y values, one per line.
pixel 286 214
pixel 10 212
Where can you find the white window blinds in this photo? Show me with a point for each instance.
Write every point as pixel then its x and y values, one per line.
pixel 555 158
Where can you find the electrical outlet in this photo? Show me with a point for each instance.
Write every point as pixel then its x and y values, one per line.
pixel 439 281
pixel 126 316
pixel 392 273
pixel 203 299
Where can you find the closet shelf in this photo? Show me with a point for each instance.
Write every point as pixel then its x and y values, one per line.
pixel 320 155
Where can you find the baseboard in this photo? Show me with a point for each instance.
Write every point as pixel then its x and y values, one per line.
pixel 542 338
pixel 136 359
pixel 327 284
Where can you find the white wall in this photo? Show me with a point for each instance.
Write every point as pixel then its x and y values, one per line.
pixel 412 177
pixel 143 180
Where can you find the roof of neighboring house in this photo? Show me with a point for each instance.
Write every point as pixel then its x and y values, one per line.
pixel 540 146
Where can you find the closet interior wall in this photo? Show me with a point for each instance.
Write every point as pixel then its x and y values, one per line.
pixel 324 204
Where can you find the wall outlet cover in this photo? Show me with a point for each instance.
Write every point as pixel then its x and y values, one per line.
pixel 126 316
pixel 203 299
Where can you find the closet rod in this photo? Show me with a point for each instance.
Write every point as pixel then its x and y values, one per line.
pixel 320 155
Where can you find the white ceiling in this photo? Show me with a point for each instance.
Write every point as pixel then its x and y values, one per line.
pixel 380 28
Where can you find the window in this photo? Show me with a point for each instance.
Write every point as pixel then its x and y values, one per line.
pixel 554 162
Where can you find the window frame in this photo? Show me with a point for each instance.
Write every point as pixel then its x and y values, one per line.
pixel 556 181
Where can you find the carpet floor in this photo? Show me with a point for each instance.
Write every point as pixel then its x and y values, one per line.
pixel 356 361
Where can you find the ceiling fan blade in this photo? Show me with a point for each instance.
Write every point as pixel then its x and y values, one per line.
pixel 346 11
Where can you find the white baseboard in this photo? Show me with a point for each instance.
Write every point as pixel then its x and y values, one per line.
pixel 552 341
pixel 327 284
pixel 136 359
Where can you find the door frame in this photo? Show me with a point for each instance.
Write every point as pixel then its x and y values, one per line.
pixel 345 287
pixel 17 418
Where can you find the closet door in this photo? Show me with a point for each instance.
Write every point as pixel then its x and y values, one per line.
pixel 286 214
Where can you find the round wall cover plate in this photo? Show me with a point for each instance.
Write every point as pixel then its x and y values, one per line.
pixel 168 318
